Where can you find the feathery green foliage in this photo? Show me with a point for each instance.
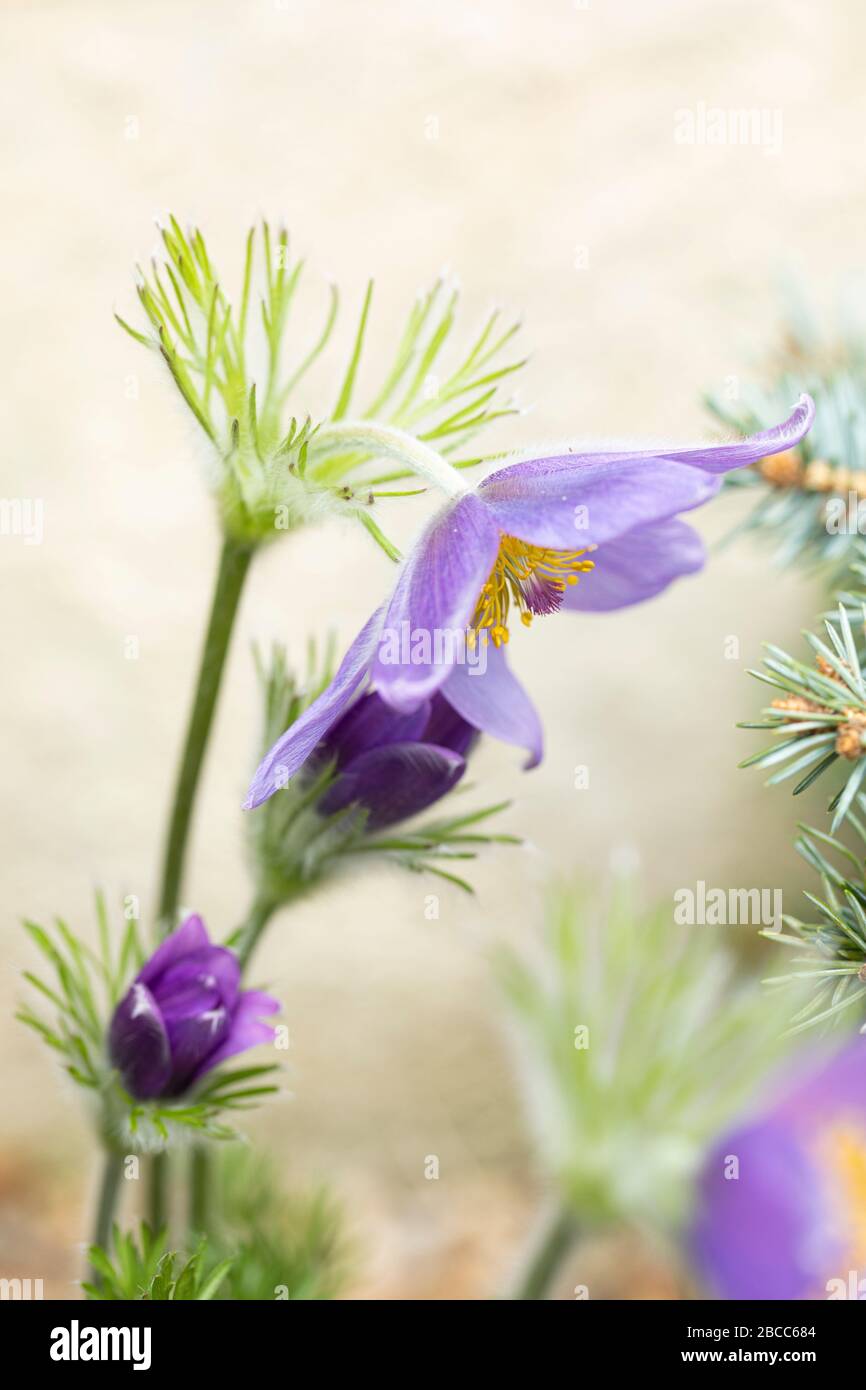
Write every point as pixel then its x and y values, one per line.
pixel 240 370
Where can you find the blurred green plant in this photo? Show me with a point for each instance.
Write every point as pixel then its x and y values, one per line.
pixel 268 1245
pixel 636 1042
pixel 282 1244
pixel 143 1270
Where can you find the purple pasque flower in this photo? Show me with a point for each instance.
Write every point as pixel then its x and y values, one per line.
pixel 782 1200
pixel 183 1014
pixel 394 765
pixel 519 542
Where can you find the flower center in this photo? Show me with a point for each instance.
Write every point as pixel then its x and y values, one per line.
pixel 844 1153
pixel 530 577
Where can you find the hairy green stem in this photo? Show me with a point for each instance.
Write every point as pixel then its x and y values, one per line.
pixel 386 441
pixel 200 1190
pixel 232 572
pixel 552 1243
pixel 256 920
pixel 109 1188
pixel 233 567
pixel 157 1195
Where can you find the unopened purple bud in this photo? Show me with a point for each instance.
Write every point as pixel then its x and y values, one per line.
pixel 183 1014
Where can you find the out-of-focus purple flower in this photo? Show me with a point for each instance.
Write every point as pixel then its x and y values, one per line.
pixel 183 1014
pixel 520 541
pixel 782 1201
pixel 394 765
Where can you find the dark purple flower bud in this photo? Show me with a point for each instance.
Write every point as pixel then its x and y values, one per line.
pixel 183 1014
pixel 782 1200
pixel 369 723
pixel 449 729
pixel 395 765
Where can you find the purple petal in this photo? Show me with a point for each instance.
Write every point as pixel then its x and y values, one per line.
pixel 245 1031
pixel 766 1232
pixel 297 743
pixel 494 701
pixel 370 723
pixel 714 458
pixel 572 500
pixel 782 1228
pixel 433 602
pixel 594 501
pixel 225 968
pixel 138 1044
pixel 202 980
pixel 636 567
pixel 193 1038
pixel 190 936
pixel 395 782
pixel 837 1087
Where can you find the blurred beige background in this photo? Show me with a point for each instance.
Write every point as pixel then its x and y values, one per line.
pixel 531 149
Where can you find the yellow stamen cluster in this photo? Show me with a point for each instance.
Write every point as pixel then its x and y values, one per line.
pixel 519 565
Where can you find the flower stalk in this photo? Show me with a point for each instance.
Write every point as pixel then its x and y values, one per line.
pixel 109 1188
pixel 200 1190
pixel 233 568
pixel 157 1192
pixel 368 438
pixel 556 1236
pixel 250 933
